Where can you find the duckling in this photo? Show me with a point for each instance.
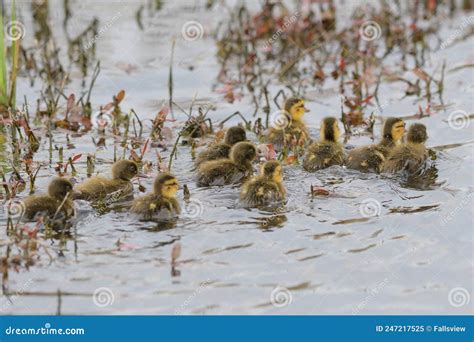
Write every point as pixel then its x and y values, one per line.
pixel 233 135
pixel 59 191
pixel 162 202
pixel 409 156
pixel 371 158
pixel 294 111
pixel 98 187
pixel 229 170
pixel 265 188
pixel 326 152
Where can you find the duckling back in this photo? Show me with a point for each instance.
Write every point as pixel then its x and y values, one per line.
pixel 323 154
pixel 57 203
pixel 295 130
pixel 261 192
pixel 222 172
pixel 214 152
pixel 44 205
pixel 367 158
pixel 152 206
pixel 407 157
pixel 98 187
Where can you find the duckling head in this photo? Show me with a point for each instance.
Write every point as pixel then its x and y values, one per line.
pixel 330 129
pixel 166 185
pixel 417 134
pixel 272 170
pixel 394 129
pixel 58 188
pixel 124 170
pixel 243 152
pixel 234 135
pixel 295 106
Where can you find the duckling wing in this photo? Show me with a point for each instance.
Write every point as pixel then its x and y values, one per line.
pixel 276 136
pixel 219 172
pixel 406 157
pixel 94 187
pixel 296 130
pixel 39 205
pixel 213 152
pixel 259 192
pixel 99 187
pixel 299 130
pixel 322 155
pixel 151 206
pixel 366 158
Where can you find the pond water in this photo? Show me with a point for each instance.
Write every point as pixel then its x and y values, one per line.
pixel 323 252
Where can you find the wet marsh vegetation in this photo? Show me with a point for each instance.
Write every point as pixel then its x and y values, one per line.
pixel 84 84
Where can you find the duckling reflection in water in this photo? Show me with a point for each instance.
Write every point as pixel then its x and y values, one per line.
pixel 371 158
pixel 56 204
pixel 233 135
pixel 161 204
pixel 230 170
pixel 326 152
pixel 266 188
pixel 98 187
pixel 295 128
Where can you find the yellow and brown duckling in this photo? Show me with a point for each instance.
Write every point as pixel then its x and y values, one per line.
pixel 326 152
pixel 233 135
pixel 98 187
pixel 266 188
pixel 57 203
pixel 371 158
pixel 162 202
pixel 409 156
pixel 231 170
pixel 291 126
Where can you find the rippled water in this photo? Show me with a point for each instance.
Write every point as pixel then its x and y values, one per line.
pixel 323 250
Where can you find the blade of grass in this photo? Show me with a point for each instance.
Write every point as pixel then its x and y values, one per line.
pixel 3 63
pixel 15 49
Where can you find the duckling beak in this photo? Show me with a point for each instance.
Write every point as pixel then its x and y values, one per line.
pixel 306 110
